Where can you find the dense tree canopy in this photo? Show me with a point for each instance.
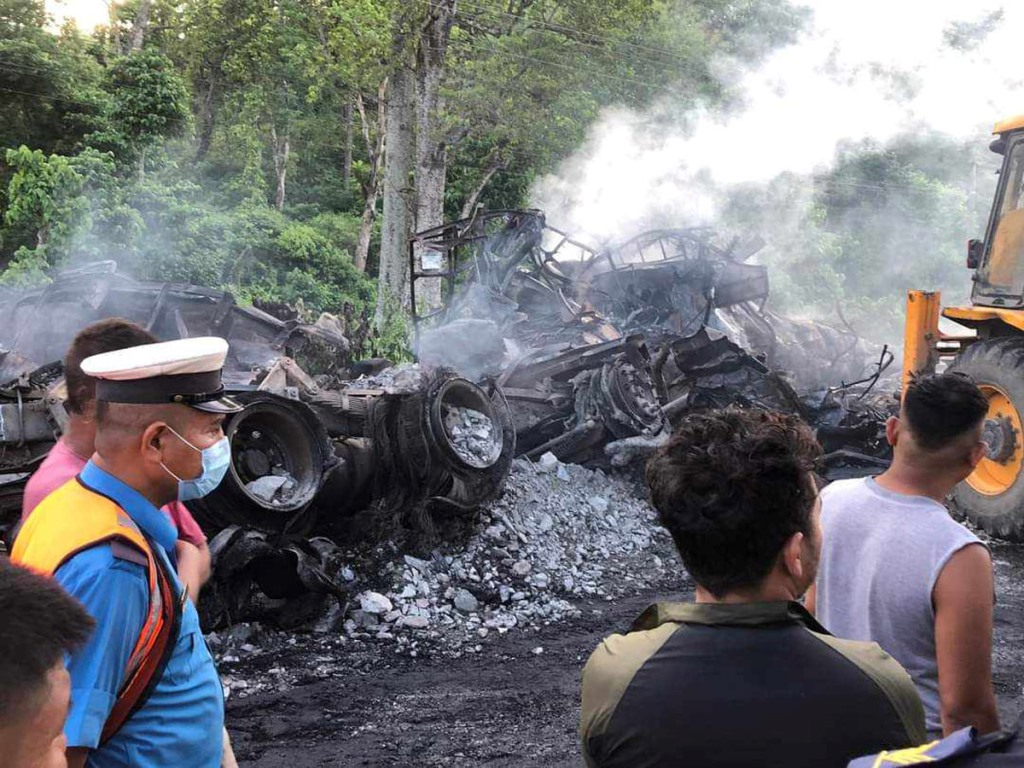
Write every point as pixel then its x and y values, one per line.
pixel 286 149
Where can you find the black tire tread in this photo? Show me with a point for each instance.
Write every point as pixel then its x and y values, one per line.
pixel 1003 515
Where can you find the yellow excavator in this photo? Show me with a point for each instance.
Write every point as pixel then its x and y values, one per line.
pixel 993 496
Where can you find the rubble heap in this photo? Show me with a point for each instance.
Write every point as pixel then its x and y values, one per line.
pixel 559 533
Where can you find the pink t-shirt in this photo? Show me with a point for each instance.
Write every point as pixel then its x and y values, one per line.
pixel 62 464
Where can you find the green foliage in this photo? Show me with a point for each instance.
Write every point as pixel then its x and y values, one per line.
pixel 229 151
pixel 45 201
pixel 392 342
pixel 150 101
pixel 50 88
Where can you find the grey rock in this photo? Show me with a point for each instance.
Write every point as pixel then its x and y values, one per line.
pixel 374 603
pixel 540 580
pixel 266 487
pixel 414 562
pixel 496 532
pixel 363 619
pixel 548 463
pixel 465 601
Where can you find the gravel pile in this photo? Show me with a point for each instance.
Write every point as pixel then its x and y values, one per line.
pixel 472 435
pixel 559 535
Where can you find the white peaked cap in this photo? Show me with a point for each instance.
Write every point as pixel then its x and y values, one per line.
pixel 166 358
pixel 186 371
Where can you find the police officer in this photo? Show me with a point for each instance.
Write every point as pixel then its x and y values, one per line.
pixel 145 692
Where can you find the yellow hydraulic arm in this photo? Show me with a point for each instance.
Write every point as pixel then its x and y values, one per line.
pixel 921 334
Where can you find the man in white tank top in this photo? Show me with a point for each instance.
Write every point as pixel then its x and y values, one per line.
pixel 896 569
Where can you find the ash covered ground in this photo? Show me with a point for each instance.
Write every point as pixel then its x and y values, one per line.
pixel 471 654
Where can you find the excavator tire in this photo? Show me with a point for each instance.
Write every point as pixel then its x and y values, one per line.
pixel 993 496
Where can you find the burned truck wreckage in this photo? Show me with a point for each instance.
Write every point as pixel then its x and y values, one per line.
pixel 538 346
pixel 599 352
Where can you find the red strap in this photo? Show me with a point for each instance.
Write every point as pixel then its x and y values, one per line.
pixel 138 689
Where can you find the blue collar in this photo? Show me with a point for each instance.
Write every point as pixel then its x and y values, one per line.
pixel 154 524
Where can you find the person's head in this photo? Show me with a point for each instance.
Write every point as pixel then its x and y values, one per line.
pixel 39 623
pixel 940 425
pixel 103 336
pixel 736 490
pixel 160 410
pixel 153 447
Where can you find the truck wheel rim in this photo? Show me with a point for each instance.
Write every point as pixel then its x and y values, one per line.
pixel 998 471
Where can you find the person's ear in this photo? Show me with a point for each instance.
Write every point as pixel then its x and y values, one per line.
pixel 792 556
pixel 892 430
pixel 88 413
pixel 152 441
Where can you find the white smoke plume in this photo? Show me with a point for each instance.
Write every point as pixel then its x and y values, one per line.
pixel 871 69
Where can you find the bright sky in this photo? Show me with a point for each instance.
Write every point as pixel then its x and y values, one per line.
pixel 86 13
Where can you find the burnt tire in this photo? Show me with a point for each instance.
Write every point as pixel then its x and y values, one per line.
pixel 282 435
pixel 997 366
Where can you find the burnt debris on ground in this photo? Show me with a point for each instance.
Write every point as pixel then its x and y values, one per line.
pixel 541 347
pixel 558 535
pixel 600 351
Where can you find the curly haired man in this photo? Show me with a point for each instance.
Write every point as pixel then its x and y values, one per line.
pixel 744 676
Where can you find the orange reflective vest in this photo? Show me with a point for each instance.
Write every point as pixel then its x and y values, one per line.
pixel 74 518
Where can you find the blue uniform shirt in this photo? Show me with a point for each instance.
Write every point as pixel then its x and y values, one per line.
pixel 182 721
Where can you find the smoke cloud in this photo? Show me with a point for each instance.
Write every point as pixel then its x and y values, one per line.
pixel 867 70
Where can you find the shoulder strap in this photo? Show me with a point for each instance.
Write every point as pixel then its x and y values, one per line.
pixel 154 657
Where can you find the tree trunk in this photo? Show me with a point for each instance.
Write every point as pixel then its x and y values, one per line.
pixel 115 27
pixel 281 148
pixel 346 160
pixel 207 117
pixel 140 25
pixel 492 168
pixel 431 150
pixel 371 191
pixel 393 282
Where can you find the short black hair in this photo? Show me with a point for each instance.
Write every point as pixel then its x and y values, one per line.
pixel 731 486
pixel 107 335
pixel 39 623
pixel 940 408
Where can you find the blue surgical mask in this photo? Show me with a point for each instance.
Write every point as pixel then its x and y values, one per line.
pixel 216 460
